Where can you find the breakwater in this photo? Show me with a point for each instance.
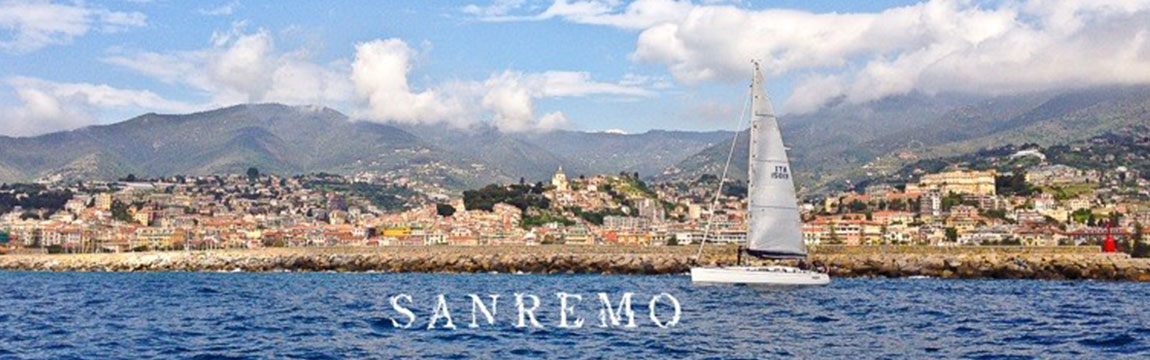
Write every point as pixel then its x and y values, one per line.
pixel 1003 263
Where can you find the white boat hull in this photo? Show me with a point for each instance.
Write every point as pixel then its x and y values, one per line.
pixel 753 275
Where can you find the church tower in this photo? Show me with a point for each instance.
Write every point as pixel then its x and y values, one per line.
pixel 559 180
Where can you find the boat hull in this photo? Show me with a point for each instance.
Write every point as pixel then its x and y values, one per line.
pixel 751 275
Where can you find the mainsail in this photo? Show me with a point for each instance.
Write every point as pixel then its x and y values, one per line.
pixel 775 228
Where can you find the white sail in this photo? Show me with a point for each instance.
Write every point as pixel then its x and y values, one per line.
pixel 775 228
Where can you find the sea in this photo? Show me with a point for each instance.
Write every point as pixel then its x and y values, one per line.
pixel 339 316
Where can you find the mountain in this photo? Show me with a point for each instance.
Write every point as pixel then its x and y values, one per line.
pixel 839 143
pixel 274 138
pixel 1127 147
pixel 845 141
pixel 647 153
pixel 299 139
pixel 536 155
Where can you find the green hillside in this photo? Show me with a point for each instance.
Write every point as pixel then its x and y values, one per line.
pixel 882 138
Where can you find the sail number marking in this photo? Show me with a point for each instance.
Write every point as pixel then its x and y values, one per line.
pixel 781 173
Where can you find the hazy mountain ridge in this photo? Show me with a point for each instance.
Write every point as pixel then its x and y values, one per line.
pixel 275 138
pixel 886 138
pixel 537 155
pixel 840 142
pixel 646 153
pixel 288 140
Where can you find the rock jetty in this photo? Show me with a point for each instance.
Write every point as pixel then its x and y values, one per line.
pixel 967 263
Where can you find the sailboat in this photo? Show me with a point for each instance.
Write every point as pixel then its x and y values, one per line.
pixel 774 226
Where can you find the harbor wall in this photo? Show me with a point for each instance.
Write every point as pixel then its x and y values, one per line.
pixel 969 263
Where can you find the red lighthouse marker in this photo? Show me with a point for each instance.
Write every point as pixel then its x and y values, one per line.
pixel 1108 246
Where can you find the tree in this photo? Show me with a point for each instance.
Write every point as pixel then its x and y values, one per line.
pixel 1081 216
pixel 951 234
pixel 1014 184
pixel 253 173
pixel 130 178
pixel 444 210
pixel 1141 248
pixel 120 211
pixel 834 240
pixel 951 200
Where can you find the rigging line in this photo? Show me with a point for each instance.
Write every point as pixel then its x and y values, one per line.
pixel 723 179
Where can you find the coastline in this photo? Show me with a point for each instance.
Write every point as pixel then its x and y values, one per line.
pixel 1054 263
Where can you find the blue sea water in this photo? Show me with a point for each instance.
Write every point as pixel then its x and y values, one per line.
pixel 334 316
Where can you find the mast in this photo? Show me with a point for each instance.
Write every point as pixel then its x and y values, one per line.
pixel 774 225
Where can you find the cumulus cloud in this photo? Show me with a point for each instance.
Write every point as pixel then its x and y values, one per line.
pixel 380 77
pixel 243 67
pixel 511 101
pixel 380 74
pixel 46 106
pixel 510 96
pixel 28 25
pixel 937 46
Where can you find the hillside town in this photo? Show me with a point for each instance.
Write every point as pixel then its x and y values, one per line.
pixel 1047 205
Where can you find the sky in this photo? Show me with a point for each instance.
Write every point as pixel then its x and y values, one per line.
pixel 529 66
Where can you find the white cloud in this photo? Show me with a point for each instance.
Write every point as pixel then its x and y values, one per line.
pixel 380 74
pixel 511 101
pixel 638 14
pixel 244 67
pixel 47 106
pixel 572 83
pixel 222 10
pixel 937 46
pixel 28 25
pixel 812 91
pixel 40 112
pixel 510 96
pixel 553 121
pixel 496 8
pixel 101 95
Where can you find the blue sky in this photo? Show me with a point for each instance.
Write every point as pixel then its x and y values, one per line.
pixel 540 65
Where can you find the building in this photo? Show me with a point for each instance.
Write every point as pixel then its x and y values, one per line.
pixel 650 209
pixel 104 201
pixel 930 205
pixel 694 211
pixel 578 235
pixel 559 180
pixel 892 217
pixel 879 189
pixel 1055 175
pixel 624 222
pixel 958 182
